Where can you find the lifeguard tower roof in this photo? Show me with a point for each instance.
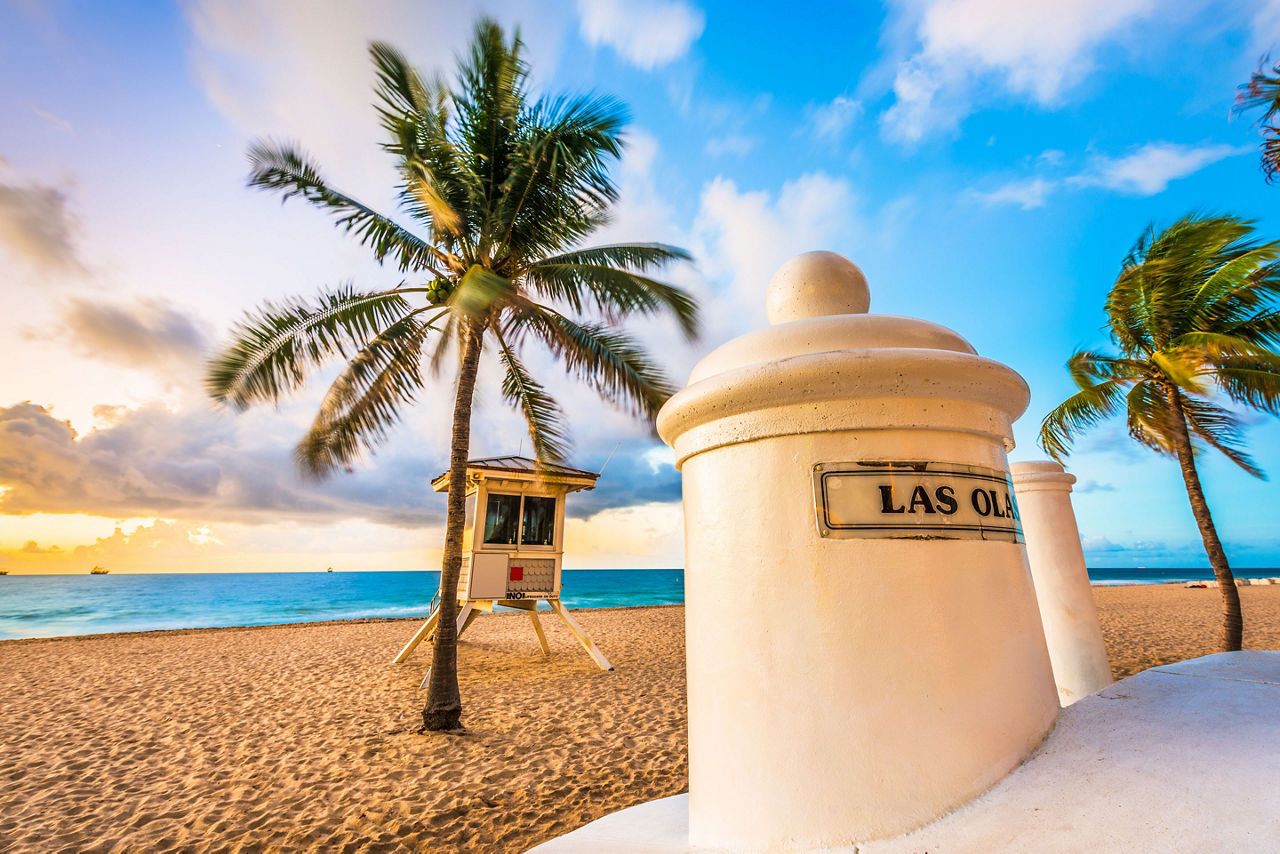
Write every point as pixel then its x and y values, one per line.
pixel 575 478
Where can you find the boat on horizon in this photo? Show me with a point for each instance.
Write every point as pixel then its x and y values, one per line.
pixel 99 570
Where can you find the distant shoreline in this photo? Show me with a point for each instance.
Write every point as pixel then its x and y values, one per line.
pixel 62 607
pixel 351 622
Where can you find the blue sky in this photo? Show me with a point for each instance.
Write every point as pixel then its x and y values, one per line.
pixel 986 162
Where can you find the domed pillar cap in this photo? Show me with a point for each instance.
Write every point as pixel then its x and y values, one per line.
pixel 816 284
pixel 1041 474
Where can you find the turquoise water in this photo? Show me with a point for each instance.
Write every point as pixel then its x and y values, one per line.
pixel 33 606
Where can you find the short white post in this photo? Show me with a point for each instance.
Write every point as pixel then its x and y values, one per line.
pixel 1067 607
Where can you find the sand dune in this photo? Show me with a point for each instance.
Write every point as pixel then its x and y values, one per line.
pixel 301 738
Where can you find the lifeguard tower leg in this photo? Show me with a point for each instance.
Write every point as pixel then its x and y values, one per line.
pixel 537 627
pixel 596 655
pixel 423 633
pixel 465 617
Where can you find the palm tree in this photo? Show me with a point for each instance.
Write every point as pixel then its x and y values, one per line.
pixel 1192 313
pixel 1263 90
pixel 502 191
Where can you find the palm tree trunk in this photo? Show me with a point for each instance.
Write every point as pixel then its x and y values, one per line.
pixel 444 704
pixel 1232 618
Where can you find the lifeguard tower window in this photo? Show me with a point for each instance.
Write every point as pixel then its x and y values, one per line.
pixel 539 521
pixel 502 520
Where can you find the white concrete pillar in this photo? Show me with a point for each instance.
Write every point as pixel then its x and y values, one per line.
pixel 864 649
pixel 1067 607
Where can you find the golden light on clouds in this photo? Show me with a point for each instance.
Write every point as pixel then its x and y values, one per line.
pixel 644 536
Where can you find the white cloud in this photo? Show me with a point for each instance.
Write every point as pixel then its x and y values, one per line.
pixel 647 35
pixel 1033 50
pixel 1265 28
pixel 737 144
pixel 1101 544
pixel 148 334
pixel 300 68
pixel 742 237
pixel 1027 194
pixel 153 462
pixel 38 227
pixel 830 121
pixel 1149 170
pixel 1145 172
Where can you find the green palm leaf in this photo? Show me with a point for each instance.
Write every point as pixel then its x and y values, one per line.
pixel 1221 430
pixel 1251 382
pixel 279 166
pixel 275 349
pixel 542 414
pixel 612 363
pixel 365 400
pixel 1084 409
pixel 614 292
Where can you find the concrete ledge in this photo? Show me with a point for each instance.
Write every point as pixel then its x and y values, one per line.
pixel 1178 758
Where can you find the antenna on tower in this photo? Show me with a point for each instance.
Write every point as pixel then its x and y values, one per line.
pixel 606 462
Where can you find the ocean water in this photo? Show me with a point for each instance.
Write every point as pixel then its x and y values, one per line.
pixel 59 605
pixel 36 606
pixel 1110 576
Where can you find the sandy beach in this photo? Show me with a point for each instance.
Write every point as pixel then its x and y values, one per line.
pixel 303 737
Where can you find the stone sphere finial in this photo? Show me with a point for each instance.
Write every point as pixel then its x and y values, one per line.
pixel 816 284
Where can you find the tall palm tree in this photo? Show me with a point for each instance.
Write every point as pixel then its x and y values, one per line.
pixel 502 191
pixel 1193 316
pixel 1263 90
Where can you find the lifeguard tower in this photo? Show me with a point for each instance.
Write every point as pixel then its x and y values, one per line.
pixel 512 552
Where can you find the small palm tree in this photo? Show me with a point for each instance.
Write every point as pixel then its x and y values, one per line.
pixel 1263 90
pixel 502 191
pixel 1192 313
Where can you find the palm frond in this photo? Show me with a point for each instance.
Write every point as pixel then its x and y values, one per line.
pixel 280 166
pixel 400 88
pixel 415 113
pixel 559 189
pixel 633 256
pixel 274 350
pixel 1251 382
pixel 1082 410
pixel 1262 90
pixel 1087 368
pixel 1230 281
pixel 1262 329
pixel 1212 346
pixel 542 414
pixel 609 361
pixel 1149 417
pixel 615 293
pixel 489 99
pixel 448 342
pixel 1220 429
pixel 364 402
pixel 1271 153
